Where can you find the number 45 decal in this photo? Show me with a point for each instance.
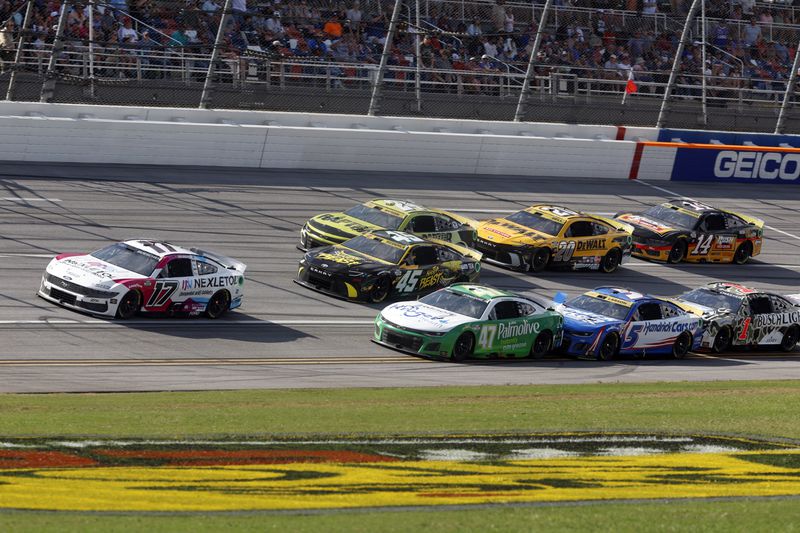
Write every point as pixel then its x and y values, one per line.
pixel 703 245
pixel 409 281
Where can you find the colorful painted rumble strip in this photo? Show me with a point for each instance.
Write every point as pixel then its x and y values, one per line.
pixel 385 472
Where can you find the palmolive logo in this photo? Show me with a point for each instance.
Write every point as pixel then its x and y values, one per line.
pixel 757 165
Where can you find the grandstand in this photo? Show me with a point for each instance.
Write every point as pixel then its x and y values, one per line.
pixel 597 62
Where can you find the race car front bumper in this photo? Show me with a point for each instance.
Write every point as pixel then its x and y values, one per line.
pixel 411 342
pixel 646 251
pixel 69 295
pixel 499 255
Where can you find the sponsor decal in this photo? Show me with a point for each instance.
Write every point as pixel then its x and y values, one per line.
pixel 776 319
pixel 498 232
pixel 735 165
pixel 203 283
pixel 591 244
pixel 647 223
pixel 95 268
pixel 340 257
pixel 431 279
pixel 345 221
pixel 427 312
pixel 725 242
pixel 507 331
pixel 667 327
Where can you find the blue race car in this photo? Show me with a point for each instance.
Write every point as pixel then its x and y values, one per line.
pixel 609 321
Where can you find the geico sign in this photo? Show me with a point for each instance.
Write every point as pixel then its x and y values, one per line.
pixel 763 165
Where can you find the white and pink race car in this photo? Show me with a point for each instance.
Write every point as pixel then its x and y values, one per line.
pixel 145 275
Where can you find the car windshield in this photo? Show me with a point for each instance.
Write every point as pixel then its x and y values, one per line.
pixel 127 257
pixel 375 216
pixel 712 299
pixel 671 216
pixel 455 302
pixel 376 248
pixel 598 306
pixel 536 222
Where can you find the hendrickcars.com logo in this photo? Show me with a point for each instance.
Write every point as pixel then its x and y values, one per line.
pixel 757 165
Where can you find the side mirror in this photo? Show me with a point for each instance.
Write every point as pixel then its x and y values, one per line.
pixel 560 297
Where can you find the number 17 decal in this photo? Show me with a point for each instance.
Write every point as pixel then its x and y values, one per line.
pixel 161 293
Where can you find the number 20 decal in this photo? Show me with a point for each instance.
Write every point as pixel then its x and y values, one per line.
pixel 703 245
pixel 564 251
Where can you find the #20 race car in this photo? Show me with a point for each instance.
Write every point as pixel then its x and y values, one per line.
pixel 546 235
pixel 466 320
pixel 384 264
pixel 607 321
pixel 144 275
pixel 686 230
pixel 741 316
pixel 396 215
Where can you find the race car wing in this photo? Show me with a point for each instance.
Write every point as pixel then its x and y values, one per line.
pixel 752 220
pixel 463 250
pixel 225 261
pixel 614 223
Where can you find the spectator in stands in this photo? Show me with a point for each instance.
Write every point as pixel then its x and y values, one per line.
pixel 333 28
pixel 126 33
pixel 474 29
pixel 498 16
pixel 354 14
pixel 649 7
pixel 752 32
pixel 274 25
pixel 7 43
pixel 211 7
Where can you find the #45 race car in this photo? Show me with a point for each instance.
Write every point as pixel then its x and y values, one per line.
pixel 144 275
pixel 465 321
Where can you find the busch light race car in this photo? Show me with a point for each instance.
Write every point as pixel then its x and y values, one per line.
pixel 386 264
pixel 608 321
pixel 547 235
pixel 467 320
pixel 736 315
pixel 144 275
pixel 686 230
pixel 397 215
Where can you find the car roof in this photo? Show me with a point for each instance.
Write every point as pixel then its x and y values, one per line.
pixel 483 292
pixel 621 293
pixel 157 247
pixel 554 212
pixel 692 206
pixel 728 287
pixel 401 208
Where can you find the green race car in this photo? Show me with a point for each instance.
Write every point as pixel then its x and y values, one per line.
pixel 466 320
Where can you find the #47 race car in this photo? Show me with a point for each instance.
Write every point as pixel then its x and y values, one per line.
pixel 144 275
pixel 465 321
pixel 386 264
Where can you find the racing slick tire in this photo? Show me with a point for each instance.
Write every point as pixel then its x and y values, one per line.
pixel 380 291
pixel 541 345
pixel 611 260
pixel 463 347
pixel 678 252
pixel 722 340
pixel 790 338
pixel 682 345
pixel 743 253
pixel 218 304
pixel 129 305
pixel 608 348
pixel 539 260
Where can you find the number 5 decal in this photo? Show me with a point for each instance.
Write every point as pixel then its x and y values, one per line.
pixel 409 281
pixel 161 293
pixel 564 251
pixel 703 245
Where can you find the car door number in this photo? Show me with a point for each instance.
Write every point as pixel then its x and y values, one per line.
pixel 703 244
pixel 409 281
pixel 564 251
pixel 161 293
pixel 486 337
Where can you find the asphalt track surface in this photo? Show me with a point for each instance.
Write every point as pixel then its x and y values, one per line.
pixel 286 336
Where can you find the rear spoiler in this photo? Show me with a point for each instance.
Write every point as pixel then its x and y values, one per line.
pixel 614 223
pixel 463 250
pixel 225 261
pixel 757 222
pixel 794 298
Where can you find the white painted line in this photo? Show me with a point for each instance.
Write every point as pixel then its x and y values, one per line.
pixel 189 322
pixel 509 211
pixel 700 267
pixel 27 255
pixel 26 200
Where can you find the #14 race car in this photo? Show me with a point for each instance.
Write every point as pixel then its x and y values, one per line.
pixel 547 235
pixel 686 230
pixel 608 321
pixel 144 275
pixel 467 320
pixel 736 315
pixel 386 264
pixel 396 215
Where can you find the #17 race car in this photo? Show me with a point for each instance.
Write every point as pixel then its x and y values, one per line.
pixel 736 315
pixel 547 235
pixel 386 264
pixel 608 321
pixel 146 275
pixel 396 215
pixel 686 230
pixel 465 321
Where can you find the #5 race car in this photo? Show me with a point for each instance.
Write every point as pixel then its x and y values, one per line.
pixel 686 230
pixel 144 275
pixel 736 315
pixel 608 321
pixel 396 215
pixel 465 321
pixel 386 264
pixel 547 235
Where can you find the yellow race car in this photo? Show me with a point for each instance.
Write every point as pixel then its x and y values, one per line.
pixel 395 215
pixel 544 236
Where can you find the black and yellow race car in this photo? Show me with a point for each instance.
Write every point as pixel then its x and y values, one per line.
pixel 387 264
pixel 395 215
pixel 687 230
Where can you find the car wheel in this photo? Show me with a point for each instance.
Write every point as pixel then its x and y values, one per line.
pixel 722 340
pixel 380 291
pixel 541 345
pixel 611 261
pixel 790 338
pixel 463 347
pixel 129 305
pixel 218 304
pixel 539 260
pixel 678 252
pixel 743 253
pixel 608 348
pixel 682 345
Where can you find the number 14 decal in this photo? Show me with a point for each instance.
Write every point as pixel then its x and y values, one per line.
pixel 703 245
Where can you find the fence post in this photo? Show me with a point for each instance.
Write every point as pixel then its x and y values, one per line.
pixel 91 48
pixel 677 63
pixel 526 83
pixel 417 44
pixel 49 85
pixel 205 97
pixel 787 96
pixel 20 44
pixel 374 101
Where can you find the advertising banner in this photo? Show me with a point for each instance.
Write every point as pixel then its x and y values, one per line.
pixel 737 164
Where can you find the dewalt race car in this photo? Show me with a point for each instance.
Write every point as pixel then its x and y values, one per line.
pixel 686 230
pixel 547 235
pixel 396 215
pixel 387 264
pixel 736 315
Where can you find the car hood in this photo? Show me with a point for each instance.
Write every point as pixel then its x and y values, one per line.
pixel 89 271
pixel 576 319
pixel 341 224
pixel 502 231
pixel 647 227
pixel 423 317
pixel 339 259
